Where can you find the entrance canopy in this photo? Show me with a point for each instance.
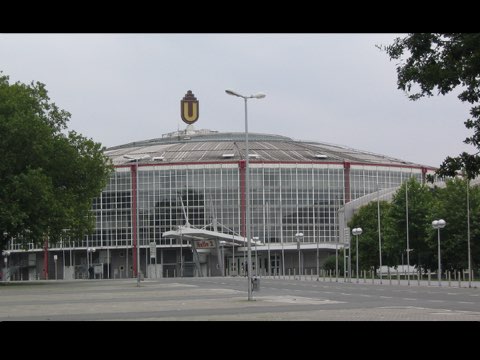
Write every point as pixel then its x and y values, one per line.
pixel 193 234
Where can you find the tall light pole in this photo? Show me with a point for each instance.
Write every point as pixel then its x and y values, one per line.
pixel 247 189
pixel 439 224
pixel 466 175
pixel 379 233
pixel 317 240
pixel 356 232
pixel 336 242
pixel 268 239
pixel 468 234
pixel 299 237
pixel 408 236
pixel 136 237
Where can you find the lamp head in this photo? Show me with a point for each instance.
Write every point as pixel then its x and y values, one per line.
pixel 357 231
pixel 259 96
pixel 438 224
pixel 233 93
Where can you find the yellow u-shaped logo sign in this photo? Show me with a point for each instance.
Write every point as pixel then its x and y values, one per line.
pixel 189 108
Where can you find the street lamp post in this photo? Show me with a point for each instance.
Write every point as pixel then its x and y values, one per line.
pixel 439 224
pixel 299 237
pixel 90 252
pixel 247 189
pixel 268 239
pixel 317 241
pixel 468 235
pixel 5 260
pixel 136 238
pixel 256 255
pixel 408 236
pixel 55 258
pixel 181 253
pixel 379 233
pixel 356 232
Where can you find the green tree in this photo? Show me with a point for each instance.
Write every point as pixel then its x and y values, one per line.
pixel 419 211
pixel 330 263
pixel 48 176
pixel 451 205
pixel 443 62
pixel 367 219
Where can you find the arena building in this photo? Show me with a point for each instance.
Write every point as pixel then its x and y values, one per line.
pixel 188 188
pixel 182 199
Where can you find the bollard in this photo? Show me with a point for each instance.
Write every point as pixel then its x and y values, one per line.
pixel 449 278
pixel 418 278
pixel 330 274
pixel 459 279
pixel 389 277
pixel 428 277
pixel 323 275
pixel 255 284
pixel 398 277
pixel 364 276
pixel 372 277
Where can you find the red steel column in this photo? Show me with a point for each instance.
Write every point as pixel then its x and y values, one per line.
pixel 346 172
pixel 242 168
pixel 424 175
pixel 133 172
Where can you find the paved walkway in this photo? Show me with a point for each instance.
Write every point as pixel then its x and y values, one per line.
pixel 226 299
pixel 385 281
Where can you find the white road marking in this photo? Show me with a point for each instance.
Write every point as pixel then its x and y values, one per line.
pixel 298 300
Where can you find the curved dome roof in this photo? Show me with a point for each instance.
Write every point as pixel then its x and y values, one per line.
pixel 192 146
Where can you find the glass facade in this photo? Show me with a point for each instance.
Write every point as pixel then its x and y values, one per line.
pixel 284 199
pixel 295 187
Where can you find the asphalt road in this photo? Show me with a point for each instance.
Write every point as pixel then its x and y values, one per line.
pixel 226 299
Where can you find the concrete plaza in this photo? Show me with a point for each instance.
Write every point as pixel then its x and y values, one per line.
pixel 222 298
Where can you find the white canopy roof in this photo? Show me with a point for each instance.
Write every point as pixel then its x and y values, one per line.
pixel 190 233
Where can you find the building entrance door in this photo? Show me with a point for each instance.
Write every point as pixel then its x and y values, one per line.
pixel 233 266
pixel 275 263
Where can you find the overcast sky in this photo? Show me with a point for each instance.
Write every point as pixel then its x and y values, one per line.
pixel 334 88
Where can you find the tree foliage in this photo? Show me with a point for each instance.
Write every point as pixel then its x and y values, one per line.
pixel 441 62
pixel 425 204
pixel 48 175
pixel 419 213
pixel 367 219
pixel 330 263
pixel 450 204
